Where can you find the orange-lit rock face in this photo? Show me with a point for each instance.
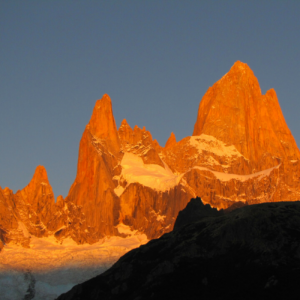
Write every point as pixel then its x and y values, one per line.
pixel 99 153
pixel 38 193
pixel 234 111
pixel 8 220
pixel 171 141
pixel 102 124
pixel 29 211
pixel 139 141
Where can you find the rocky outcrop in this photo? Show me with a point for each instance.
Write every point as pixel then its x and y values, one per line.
pixel 8 220
pixel 28 211
pixel 171 141
pixel 194 212
pixel 37 200
pixel 253 251
pixel 32 211
pixel 139 141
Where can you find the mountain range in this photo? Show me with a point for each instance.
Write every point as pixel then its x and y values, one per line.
pixel 241 152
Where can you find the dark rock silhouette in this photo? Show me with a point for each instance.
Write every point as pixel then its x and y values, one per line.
pixel 195 211
pixel 249 253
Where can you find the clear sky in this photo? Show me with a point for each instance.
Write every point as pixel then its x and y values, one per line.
pixel 155 59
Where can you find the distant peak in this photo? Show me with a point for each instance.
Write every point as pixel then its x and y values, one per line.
pixel 39 178
pixel 271 93
pixel 240 64
pixel 102 123
pixel 124 130
pixel 155 142
pixel 240 67
pixel 7 191
pixel 60 200
pixel 124 123
pixel 40 173
pixel 171 141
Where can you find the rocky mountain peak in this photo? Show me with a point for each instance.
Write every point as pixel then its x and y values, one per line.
pixel 171 141
pixel 241 67
pixel 40 175
pixel 125 131
pixel 124 123
pixel 60 200
pixel 7 191
pixel 38 192
pixel 102 124
pixel 235 112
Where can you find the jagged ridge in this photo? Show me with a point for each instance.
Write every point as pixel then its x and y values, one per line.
pixel 241 151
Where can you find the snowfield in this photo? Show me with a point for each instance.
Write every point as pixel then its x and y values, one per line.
pixel 209 143
pixel 227 176
pixel 48 268
pixel 151 175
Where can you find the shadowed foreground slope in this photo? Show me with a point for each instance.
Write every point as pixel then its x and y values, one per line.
pixel 250 253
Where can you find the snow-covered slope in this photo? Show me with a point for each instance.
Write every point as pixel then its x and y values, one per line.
pixel 49 268
pixel 150 175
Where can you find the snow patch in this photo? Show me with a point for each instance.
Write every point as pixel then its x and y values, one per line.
pixel 119 190
pixel 227 177
pixel 160 218
pixel 22 227
pixel 51 268
pixel 209 143
pixel 150 175
pixel 125 229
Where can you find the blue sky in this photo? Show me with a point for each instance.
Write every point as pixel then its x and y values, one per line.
pixel 155 59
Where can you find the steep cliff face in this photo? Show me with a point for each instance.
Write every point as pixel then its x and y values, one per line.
pixel 235 112
pixel 29 211
pixel 241 150
pixel 99 155
pixel 38 198
pixel 171 141
pixel 150 211
pixel 8 220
